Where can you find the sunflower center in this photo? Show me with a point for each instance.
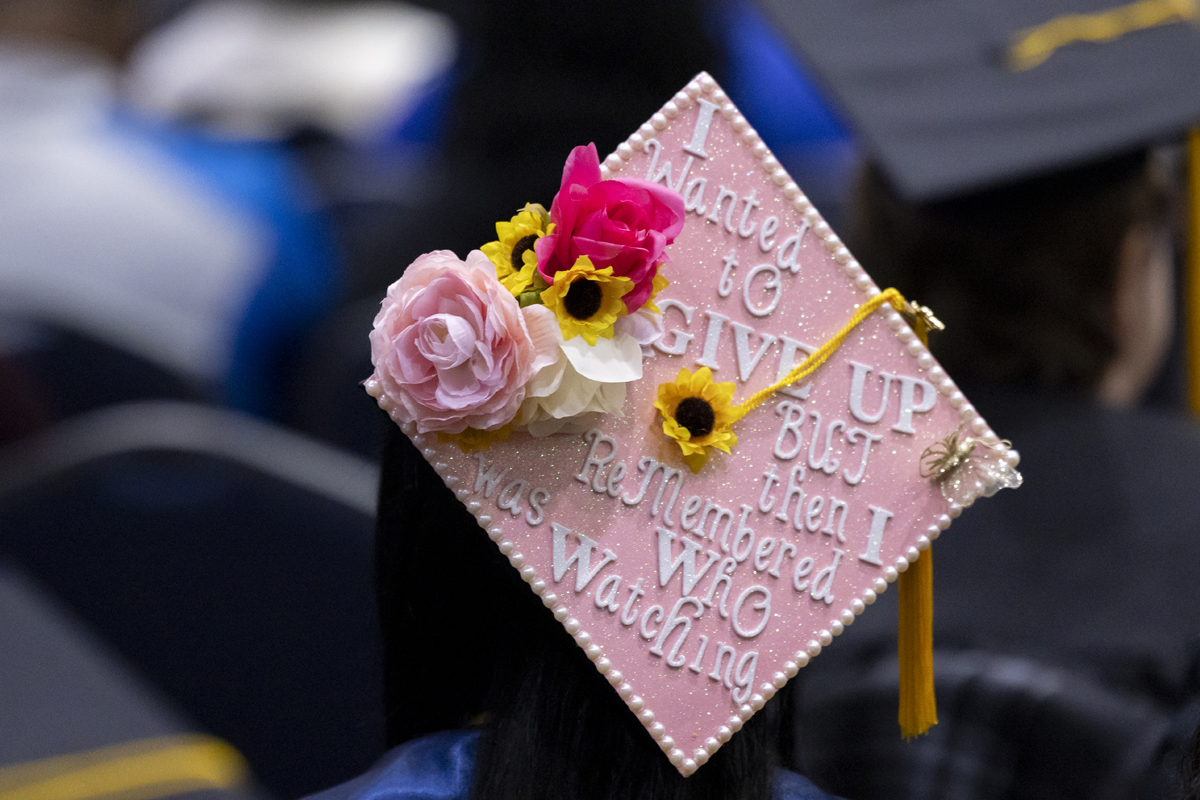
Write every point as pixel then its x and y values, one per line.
pixel 582 300
pixel 696 415
pixel 518 251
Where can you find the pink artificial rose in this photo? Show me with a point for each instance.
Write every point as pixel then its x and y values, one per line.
pixel 623 223
pixel 453 349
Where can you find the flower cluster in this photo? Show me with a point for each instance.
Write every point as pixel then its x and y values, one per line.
pixel 540 330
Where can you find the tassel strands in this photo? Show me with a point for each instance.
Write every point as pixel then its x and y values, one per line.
pixel 918 706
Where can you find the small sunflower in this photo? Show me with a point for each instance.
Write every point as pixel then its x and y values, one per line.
pixel 513 254
pixel 698 414
pixel 586 300
pixel 475 439
pixel 657 285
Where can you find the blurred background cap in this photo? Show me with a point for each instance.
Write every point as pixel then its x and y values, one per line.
pixel 261 70
pixel 952 96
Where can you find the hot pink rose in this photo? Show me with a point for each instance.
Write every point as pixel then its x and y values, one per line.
pixel 452 348
pixel 624 223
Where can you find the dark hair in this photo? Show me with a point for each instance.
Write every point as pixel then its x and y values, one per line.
pixel 467 641
pixel 1023 275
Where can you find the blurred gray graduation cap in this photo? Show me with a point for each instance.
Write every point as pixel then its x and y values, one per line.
pixel 955 95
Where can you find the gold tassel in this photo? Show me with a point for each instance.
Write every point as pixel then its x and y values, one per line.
pixel 918 707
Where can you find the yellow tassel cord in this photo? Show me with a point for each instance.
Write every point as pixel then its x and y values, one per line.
pixel 1032 46
pixel 1193 271
pixel 822 353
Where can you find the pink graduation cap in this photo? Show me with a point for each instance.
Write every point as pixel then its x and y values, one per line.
pixel 687 416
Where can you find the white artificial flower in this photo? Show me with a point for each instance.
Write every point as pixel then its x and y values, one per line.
pixel 585 380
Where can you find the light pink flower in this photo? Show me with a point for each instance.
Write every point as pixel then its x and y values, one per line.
pixel 624 223
pixel 452 348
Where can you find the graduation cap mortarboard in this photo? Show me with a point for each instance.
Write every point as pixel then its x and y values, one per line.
pixel 954 95
pixel 707 472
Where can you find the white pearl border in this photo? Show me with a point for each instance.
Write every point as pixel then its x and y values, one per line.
pixel 703 84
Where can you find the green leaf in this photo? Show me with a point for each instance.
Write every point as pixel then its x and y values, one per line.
pixel 530 298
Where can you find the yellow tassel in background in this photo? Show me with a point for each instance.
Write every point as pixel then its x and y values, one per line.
pixel 1192 279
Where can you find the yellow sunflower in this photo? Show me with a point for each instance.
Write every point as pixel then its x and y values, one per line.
pixel 657 285
pixel 475 439
pixel 586 300
pixel 513 254
pixel 698 414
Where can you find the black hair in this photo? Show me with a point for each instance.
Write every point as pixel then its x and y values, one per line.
pixel 466 642
pixel 1023 275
